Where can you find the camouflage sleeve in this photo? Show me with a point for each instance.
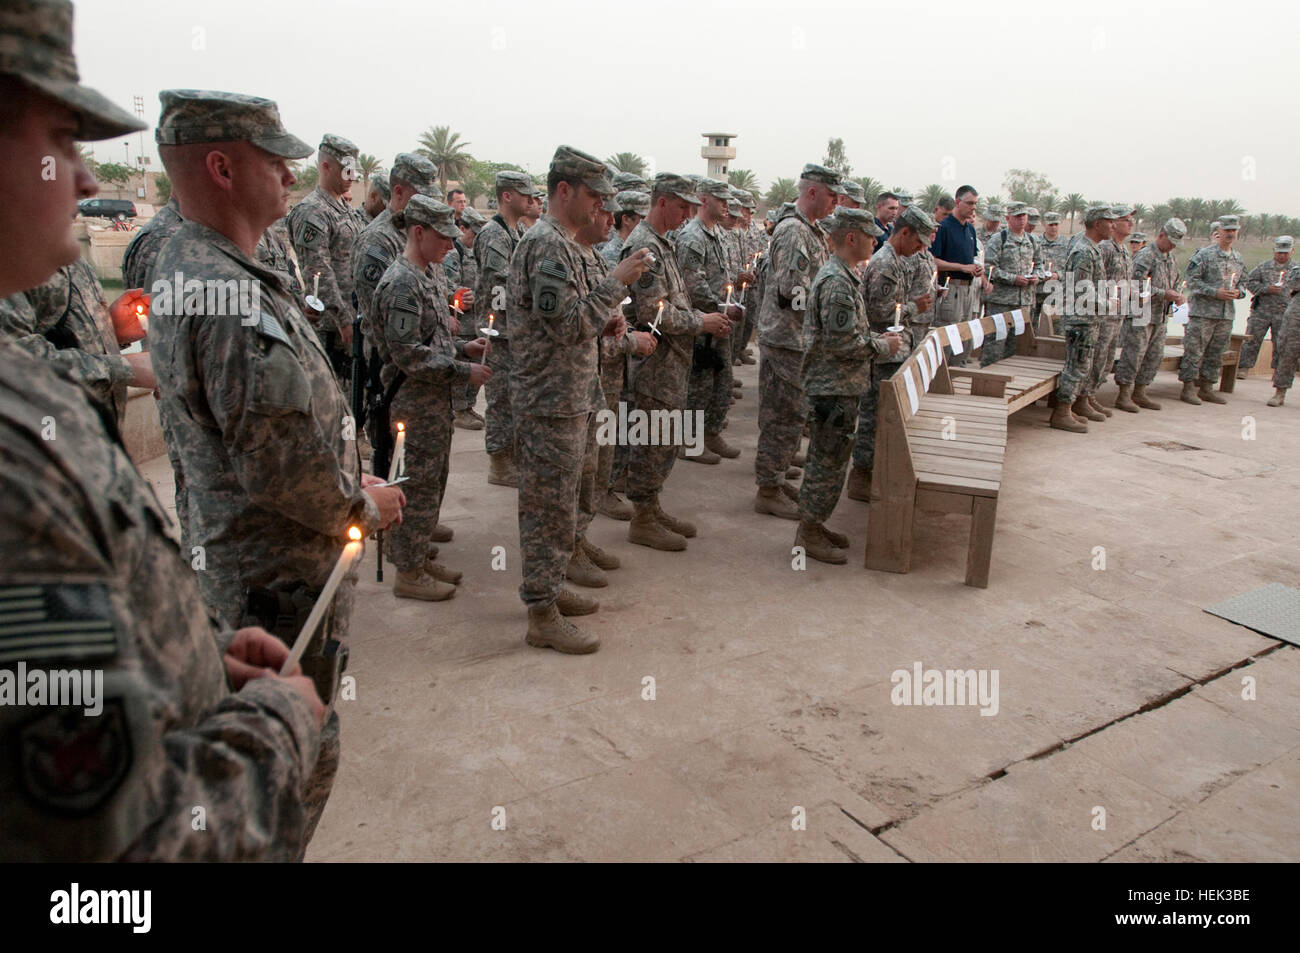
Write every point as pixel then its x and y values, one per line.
pixel 1197 282
pixel 309 232
pixel 399 313
pixel 21 323
pixel 884 290
pixel 790 264
pixel 451 268
pixel 492 255
pixel 260 396
pixel 690 258
pixel 369 262
pixel 654 287
pixel 556 295
pixel 1259 278
pixel 993 261
pixel 835 315
pixel 124 783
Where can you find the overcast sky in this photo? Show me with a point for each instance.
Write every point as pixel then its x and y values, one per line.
pixel 1118 99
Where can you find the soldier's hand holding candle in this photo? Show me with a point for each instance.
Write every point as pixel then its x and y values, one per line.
pixel 632 267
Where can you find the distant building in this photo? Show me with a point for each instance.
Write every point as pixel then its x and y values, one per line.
pixel 719 152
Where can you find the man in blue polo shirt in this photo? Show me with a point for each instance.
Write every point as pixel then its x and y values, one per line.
pixel 954 249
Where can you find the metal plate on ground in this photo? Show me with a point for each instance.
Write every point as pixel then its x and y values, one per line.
pixel 1273 611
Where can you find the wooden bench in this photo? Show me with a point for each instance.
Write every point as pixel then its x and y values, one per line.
pixel 936 451
pixel 1028 376
pixel 1231 358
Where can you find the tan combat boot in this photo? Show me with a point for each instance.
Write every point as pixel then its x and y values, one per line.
pixel 715 443
pixel 672 523
pixel 1083 408
pixel 747 357
pixel 606 561
pixel 583 571
pixel 1207 392
pixel 812 537
pixel 1097 406
pixel 1062 419
pixel 466 420
pixel 800 460
pixel 1188 396
pixel 442 534
pixel 572 603
pixel 501 472
pixel 547 629
pixel 1142 400
pixel 615 507
pixel 1124 401
pixel 704 456
pixel 442 573
pixel 420 585
pixel 790 490
pixel 772 501
pixel 645 530
pixel 859 485
pixel 838 540
pixel 1278 398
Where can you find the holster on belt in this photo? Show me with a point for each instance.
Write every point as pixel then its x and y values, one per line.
pixel 282 612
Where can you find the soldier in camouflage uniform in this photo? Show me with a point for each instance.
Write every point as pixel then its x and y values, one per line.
pixel 1082 313
pixel 1118 262
pixel 1266 284
pixel 493 249
pixel 632 207
pixel 323 228
pixel 839 350
pixel 1143 336
pixel 273 251
pixel 1054 247
pixel 139 256
pixel 269 477
pixel 797 253
pixel 753 245
pixel 66 322
pixel 413 333
pixel 1284 374
pixel 1214 279
pixel 660 295
pixel 708 267
pixel 464 274
pixel 557 318
pixel 887 283
pixel 1009 264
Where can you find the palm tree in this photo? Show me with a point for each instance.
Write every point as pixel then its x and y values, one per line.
pixel 627 162
pixel 1072 205
pixel 1140 213
pixel 1047 202
pixel 1197 211
pixel 87 156
pixel 781 191
pixel 444 149
pixel 871 187
pixel 930 196
pixel 1231 207
pixel 743 179
pixel 367 165
pixel 1159 215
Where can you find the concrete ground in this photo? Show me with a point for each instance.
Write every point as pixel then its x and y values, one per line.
pixel 1121 732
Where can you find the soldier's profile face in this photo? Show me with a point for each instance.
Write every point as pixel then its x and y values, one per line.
pixel 887 212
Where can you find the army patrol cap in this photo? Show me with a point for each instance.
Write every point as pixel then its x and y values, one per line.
pixel 630 200
pixel 714 187
pixel 630 182
pixel 573 163
pixel 735 209
pixel 771 215
pixel 431 213
pixel 993 214
pixel 1214 225
pixel 744 197
pixel 1175 229
pixel 1097 212
pixel 1283 243
pixel 905 199
pixel 854 190
pixel 1137 237
pixel 1034 216
pixel 610 204
pixel 379 182
pixel 858 219
pixel 1121 211
pixel 473 218
pixel 417 172
pixel 518 182
pixel 36 48
pixel 204 115
pixel 1052 218
pixel 337 147
pixel 1017 208
pixel 917 219
pixel 670 183
pixel 1229 223
pixel 819 173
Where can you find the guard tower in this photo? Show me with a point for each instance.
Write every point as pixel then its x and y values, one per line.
pixel 719 152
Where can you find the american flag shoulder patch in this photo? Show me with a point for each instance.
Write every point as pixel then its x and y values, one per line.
pixel 56 620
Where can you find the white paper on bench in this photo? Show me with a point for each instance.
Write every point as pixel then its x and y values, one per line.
pixel 1179 313
pixel 1018 317
pixel 923 362
pixel 1000 326
pixel 954 337
pixel 936 352
pixel 912 400
pixel 976 333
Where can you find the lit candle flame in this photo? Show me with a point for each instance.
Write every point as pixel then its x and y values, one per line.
pixel 491 318
pixel 401 427
pixel 354 534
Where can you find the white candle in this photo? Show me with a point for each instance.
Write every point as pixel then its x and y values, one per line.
pixel 351 553
pixel 898 313
pixel 728 296
pixel 399 452
pixel 315 288
pixel 659 315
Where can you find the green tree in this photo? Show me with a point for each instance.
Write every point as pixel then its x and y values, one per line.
pixel 114 173
pixel 836 159
pixel 1072 205
pixel 164 186
pixel 743 179
pixel 627 162
pixel 1026 185
pixel 871 187
pixel 367 165
pixel 930 195
pixel 444 149
pixel 1198 210
pixel 781 191
pixel 307 175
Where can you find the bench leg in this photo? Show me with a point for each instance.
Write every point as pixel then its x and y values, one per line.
pixel 1228 377
pixel 889 534
pixel 979 553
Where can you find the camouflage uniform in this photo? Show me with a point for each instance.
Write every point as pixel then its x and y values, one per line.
pixel 660 383
pixel 706 266
pixel 557 317
pixel 323 230
pixel 1209 326
pixel 138 259
pixel 376 248
pixel 273 252
pixel 884 285
pixel 1080 321
pixel 86 541
pixel 1143 341
pixel 65 322
pixel 1054 252
pixel 493 249
pixel 413 335
pixel 1267 311
pixel 1005 256
pixel 1284 374
pixel 839 352
pixel 797 253
pixel 1118 262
